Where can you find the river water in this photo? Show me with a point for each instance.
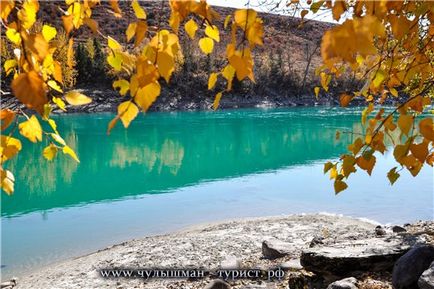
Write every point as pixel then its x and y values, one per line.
pixel 171 170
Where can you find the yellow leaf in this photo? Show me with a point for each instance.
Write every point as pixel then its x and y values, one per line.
pixel 333 173
pixel 340 186
pixel 58 138
pixel 338 9
pixel 366 112
pixel 316 90
pixel 49 152
pixel 315 6
pixel 356 146
pixel 127 111
pixel 146 96
pixel 392 175
pixel 112 124
pixel 70 53
pixel 345 99
pixel 379 78
pixel 131 31
pixel 393 91
pixel 54 85
pixel 244 18
pixel 69 151
pixel 53 125
pixel 325 80
pixel 57 74
pixel 6 9
pixel 426 128
pixel 9 65
pixel 216 102
pixel 123 84
pixel 191 28
pixel 68 23
pixel 255 33
pixel 6 117
pixel 303 13
pixel 29 89
pixel 420 151
pixel 366 162
pixel 31 129
pixel 60 103
pixel 13 36
pixel 166 65
pixel 7 181
pixel 227 19
pixel 348 165
pixel 9 147
pixel 27 14
pixel 212 32
pixel 212 80
pixel 38 46
pixel 113 44
pixel 405 123
pixel 138 10
pixel 327 167
pixel 115 7
pixel 134 85
pixel 206 44
pixel 48 32
pixel 115 61
pixel 92 24
pixel 75 98
pixel 141 30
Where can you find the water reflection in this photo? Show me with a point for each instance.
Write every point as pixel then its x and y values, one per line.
pixel 164 151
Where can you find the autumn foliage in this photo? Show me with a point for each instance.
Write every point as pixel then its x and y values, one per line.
pixel 386 46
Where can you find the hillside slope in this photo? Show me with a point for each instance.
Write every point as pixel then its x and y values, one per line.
pixel 280 64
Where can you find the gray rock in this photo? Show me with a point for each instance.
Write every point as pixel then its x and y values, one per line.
pixel 354 256
pixel 410 267
pixel 272 249
pixel 380 231
pixel 316 241
pixel 217 284
pixel 347 283
pixel 426 280
pixel 293 264
pixel 230 262
pixel 398 229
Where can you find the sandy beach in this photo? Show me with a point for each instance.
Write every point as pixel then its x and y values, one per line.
pixel 208 246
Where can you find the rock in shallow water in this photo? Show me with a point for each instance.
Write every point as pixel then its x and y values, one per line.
pixel 346 258
pixel 347 283
pixel 272 249
pixel 426 280
pixel 410 267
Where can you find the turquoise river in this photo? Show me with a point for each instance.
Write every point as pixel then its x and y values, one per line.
pixel 171 170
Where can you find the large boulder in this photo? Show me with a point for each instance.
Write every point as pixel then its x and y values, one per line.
pixel 351 257
pixel 347 283
pixel 426 280
pixel 273 248
pixel 410 266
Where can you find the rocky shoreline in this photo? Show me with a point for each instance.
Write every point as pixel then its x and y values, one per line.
pixel 313 251
pixel 107 100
